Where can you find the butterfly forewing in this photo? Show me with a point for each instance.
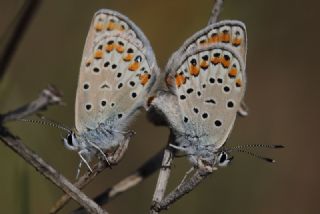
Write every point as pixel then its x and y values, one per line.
pixel 117 71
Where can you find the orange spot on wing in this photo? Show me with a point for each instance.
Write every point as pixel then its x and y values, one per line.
pixel 204 64
pixel 98 54
pixel 128 57
pixel 233 72
pixel 194 70
pixel 238 83
pixel 215 60
pixel 225 63
pixel 144 78
pixel 224 37
pixel 214 39
pixel 98 26
pixel 119 48
pixel 236 42
pixel 134 66
pixel 111 25
pixel 180 79
pixel 109 47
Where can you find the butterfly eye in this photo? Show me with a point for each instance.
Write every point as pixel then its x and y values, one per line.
pixel 70 139
pixel 224 159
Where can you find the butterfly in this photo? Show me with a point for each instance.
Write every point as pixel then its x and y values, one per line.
pixel 118 70
pixel 206 79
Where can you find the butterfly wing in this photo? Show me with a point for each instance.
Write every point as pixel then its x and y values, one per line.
pixel 228 32
pixel 118 69
pixel 207 74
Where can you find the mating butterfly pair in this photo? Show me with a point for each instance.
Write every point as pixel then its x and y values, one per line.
pixel 205 78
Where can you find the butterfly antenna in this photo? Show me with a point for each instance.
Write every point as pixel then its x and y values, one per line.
pixel 53 122
pixel 255 155
pixel 48 123
pixel 249 146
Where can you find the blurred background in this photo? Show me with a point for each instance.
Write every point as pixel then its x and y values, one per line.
pixel 282 96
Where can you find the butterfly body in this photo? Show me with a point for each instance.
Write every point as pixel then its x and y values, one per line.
pixel 206 80
pixel 117 72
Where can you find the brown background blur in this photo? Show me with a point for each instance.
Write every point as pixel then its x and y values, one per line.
pixel 282 94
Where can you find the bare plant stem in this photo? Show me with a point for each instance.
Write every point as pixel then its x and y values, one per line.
pixel 49 172
pixel 162 179
pixel 215 12
pixel 139 175
pixel 89 176
pixel 47 97
pixel 184 188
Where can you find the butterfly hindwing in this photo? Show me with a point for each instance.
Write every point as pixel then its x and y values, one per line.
pixel 210 95
pixel 228 32
pixel 117 70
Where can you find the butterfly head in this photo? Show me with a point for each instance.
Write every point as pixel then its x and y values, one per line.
pixel 223 157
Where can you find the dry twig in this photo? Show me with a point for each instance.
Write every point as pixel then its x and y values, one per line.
pixel 215 12
pixel 48 96
pixel 147 169
pixel 89 176
pixel 163 177
pixel 184 188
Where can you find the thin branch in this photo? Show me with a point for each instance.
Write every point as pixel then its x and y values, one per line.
pixel 89 176
pixel 184 188
pixel 47 97
pixel 144 171
pixel 162 179
pixel 19 27
pixel 49 172
pixel 215 12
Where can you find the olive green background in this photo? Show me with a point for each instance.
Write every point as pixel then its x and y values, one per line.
pixel 282 94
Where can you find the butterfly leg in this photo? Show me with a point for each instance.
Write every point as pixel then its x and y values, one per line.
pixel 126 133
pixel 205 167
pixel 101 152
pixel 81 153
pixel 178 148
pixel 119 152
pixel 185 176
pixel 78 170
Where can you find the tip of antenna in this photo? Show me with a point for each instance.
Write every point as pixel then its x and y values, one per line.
pixel 270 160
pixel 278 146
